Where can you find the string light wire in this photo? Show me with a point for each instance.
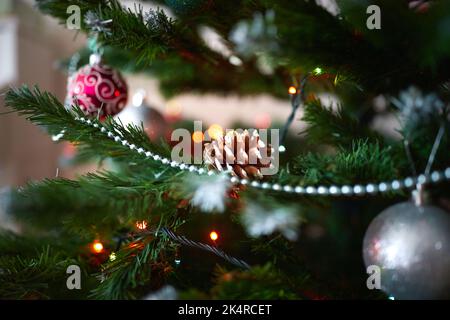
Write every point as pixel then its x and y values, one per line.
pixel 187 242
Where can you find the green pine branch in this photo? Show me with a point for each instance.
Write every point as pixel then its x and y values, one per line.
pixel 42 108
pixel 35 267
pixel 337 128
pixel 81 205
pixel 366 162
pixel 129 275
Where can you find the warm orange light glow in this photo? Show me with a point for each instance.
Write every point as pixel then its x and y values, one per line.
pixel 292 90
pixel 97 247
pixel 214 235
pixel 173 108
pixel 141 224
pixel 197 136
pixel 215 131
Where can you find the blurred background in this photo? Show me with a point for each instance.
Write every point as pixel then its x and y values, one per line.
pixel 32 47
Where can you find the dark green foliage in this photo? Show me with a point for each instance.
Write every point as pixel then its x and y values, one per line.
pixel 35 268
pixel 337 147
pixel 129 276
pixel 365 162
pixel 104 198
pixel 338 128
pixel 44 109
pixel 263 282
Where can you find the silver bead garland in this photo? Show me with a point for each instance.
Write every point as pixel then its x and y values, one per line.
pixel 346 190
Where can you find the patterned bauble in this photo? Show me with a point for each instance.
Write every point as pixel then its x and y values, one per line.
pixel 411 246
pixel 98 89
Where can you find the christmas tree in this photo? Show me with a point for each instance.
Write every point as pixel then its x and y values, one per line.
pixel 353 206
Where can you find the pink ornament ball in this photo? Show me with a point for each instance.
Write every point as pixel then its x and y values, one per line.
pixel 98 90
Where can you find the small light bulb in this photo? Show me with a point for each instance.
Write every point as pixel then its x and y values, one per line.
pixel 214 235
pixel 197 136
pixel 112 256
pixel 292 90
pixel 97 247
pixel 317 71
pixel 215 131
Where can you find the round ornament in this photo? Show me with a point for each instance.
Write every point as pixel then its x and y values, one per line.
pixel 411 246
pixel 98 89
pixel 155 124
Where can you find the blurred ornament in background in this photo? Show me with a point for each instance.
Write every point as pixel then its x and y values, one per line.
pixel 260 221
pixel 330 5
pixel 411 245
pixel 210 192
pixel 257 38
pixel 155 125
pixel 68 154
pixel 165 293
pixel 416 107
pixel 419 6
pixel 97 89
pixel 257 35
pixel 96 24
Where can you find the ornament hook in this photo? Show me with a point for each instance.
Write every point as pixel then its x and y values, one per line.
pixel 419 195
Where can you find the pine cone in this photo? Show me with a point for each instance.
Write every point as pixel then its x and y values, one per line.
pixel 239 152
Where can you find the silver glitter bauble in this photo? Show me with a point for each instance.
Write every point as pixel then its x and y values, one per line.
pixel 411 246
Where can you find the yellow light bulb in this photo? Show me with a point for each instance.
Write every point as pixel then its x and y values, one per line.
pixel 214 235
pixel 292 90
pixel 317 71
pixel 215 131
pixel 97 247
pixel 197 136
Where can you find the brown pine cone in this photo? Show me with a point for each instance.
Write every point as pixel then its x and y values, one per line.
pixel 239 152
